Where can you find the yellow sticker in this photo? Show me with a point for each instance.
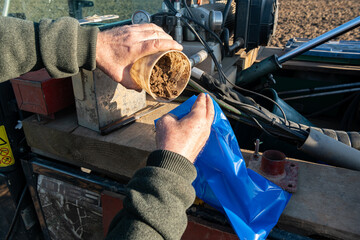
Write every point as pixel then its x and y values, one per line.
pixel 6 155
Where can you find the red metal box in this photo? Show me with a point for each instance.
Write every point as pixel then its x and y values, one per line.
pixel 37 92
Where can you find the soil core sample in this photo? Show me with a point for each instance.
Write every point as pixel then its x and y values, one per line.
pixel 169 75
pixel 163 75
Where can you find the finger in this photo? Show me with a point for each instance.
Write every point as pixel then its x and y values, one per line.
pixel 210 111
pixel 200 100
pixel 157 45
pixel 146 27
pixel 199 106
pixel 150 35
pixel 166 119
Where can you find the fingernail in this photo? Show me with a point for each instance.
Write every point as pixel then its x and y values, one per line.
pixel 202 96
pixel 180 46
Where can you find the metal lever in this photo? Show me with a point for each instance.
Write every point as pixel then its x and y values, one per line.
pixel 321 39
pixel 274 62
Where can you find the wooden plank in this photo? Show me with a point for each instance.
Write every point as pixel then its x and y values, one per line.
pixel 327 202
pixel 248 58
pixel 120 153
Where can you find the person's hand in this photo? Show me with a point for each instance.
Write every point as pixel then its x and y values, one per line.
pixel 117 49
pixel 188 135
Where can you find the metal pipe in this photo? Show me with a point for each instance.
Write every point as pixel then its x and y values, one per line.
pixel 6 8
pixel 198 57
pixel 178 29
pixel 316 89
pixel 321 39
pixel 323 94
pixel 237 44
pixel 331 151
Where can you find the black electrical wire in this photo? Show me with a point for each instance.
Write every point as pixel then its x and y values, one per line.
pixel 299 136
pixel 206 28
pixel 222 75
pixel 16 214
pixel 252 124
pixel 204 43
pixel 188 9
pixel 257 94
pixel 171 8
pixel 247 119
pixel 261 115
pixel 207 47
pixel 262 128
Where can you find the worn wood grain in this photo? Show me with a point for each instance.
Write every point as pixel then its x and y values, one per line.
pixel 327 202
pixel 120 153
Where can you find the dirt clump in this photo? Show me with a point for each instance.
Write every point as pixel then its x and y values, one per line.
pixel 165 76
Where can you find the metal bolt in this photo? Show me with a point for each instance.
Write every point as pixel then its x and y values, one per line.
pixel 256 155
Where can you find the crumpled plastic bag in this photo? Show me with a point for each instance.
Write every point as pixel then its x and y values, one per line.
pixel 252 203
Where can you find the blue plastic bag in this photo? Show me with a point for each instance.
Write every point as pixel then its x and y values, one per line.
pixel 252 203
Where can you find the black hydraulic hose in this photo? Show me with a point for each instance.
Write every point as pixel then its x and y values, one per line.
pixel 333 147
pixel 295 130
pixel 217 38
pixel 170 6
pixel 226 38
pixel 226 12
pixel 188 9
pixel 326 149
pixel 351 139
pixel 242 117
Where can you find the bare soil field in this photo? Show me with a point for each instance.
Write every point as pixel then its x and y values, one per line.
pixel 311 18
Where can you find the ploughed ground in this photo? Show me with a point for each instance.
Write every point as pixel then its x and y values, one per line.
pixel 311 18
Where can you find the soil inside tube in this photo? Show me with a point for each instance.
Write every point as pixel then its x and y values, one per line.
pixel 165 76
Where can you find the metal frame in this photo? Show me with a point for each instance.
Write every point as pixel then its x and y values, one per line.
pixel 35 166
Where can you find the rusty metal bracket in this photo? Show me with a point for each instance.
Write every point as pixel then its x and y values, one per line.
pixel 274 167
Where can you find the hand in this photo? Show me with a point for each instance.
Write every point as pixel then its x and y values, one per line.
pixel 188 135
pixel 117 49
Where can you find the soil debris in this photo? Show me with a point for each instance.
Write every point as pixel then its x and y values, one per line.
pixel 309 19
pixel 165 76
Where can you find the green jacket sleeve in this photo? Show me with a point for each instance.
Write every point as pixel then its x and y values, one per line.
pixel 156 199
pixel 61 46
